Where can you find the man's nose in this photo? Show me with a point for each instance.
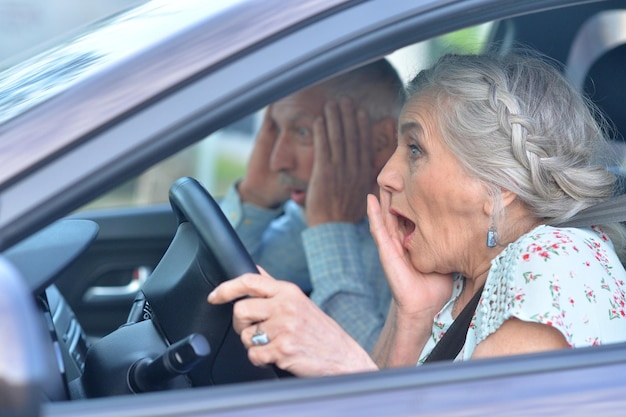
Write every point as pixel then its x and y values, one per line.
pixel 282 158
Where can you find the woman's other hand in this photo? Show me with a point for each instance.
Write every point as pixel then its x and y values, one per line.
pixel 415 293
pixel 417 297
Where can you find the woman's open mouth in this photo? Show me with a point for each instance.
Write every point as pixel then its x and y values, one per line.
pixel 407 227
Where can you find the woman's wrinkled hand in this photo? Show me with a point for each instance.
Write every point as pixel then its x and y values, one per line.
pixel 417 297
pixel 301 338
pixel 415 293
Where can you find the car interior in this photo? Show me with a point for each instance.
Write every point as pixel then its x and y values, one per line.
pixel 130 279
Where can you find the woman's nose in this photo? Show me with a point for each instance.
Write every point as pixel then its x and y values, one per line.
pixel 389 178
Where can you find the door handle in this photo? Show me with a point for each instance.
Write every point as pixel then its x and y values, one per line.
pixel 108 294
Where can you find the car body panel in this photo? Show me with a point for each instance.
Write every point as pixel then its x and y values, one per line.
pixel 541 385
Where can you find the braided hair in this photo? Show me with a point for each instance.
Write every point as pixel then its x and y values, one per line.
pixel 514 122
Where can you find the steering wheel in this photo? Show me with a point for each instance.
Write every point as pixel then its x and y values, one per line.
pixel 173 309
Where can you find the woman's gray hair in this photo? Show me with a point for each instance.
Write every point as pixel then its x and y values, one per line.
pixel 516 123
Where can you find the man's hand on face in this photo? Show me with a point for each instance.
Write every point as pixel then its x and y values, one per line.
pixel 260 186
pixel 343 170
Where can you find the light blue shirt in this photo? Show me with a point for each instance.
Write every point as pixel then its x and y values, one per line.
pixel 336 263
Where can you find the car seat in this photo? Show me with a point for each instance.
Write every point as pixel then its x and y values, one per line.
pixel 597 67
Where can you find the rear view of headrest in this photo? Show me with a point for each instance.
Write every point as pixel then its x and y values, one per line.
pixel 596 65
pixel 605 84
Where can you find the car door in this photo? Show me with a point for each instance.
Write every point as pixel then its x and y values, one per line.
pixel 102 284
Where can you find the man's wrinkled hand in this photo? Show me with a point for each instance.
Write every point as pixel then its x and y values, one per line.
pixel 260 186
pixel 343 170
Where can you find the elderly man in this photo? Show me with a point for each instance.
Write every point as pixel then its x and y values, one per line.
pixel 300 209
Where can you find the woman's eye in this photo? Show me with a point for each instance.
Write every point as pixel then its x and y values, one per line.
pixel 414 150
pixel 303 131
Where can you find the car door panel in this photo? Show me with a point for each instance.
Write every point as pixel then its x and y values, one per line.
pixel 101 285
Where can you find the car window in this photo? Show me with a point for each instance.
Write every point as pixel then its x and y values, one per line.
pixel 220 159
pixel 216 162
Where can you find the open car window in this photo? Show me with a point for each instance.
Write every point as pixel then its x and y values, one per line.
pixel 220 159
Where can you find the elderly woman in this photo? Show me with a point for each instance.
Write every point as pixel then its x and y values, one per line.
pixel 493 153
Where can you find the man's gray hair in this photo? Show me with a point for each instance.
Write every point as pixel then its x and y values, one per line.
pixel 376 87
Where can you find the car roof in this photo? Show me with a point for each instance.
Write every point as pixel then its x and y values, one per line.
pixel 123 62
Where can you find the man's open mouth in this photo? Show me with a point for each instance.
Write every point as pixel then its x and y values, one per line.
pixel 299 196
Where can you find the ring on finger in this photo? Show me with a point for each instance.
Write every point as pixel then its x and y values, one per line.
pixel 259 337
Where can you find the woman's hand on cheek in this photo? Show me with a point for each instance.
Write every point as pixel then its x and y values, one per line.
pixel 302 339
pixel 415 293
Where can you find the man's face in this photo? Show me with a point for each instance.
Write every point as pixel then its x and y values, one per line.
pixel 293 152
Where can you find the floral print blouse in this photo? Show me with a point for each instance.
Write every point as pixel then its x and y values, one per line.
pixel 568 278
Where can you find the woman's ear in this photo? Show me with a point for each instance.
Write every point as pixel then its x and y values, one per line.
pixel 506 198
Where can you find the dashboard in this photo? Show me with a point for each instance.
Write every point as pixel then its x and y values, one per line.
pixel 69 341
pixel 40 259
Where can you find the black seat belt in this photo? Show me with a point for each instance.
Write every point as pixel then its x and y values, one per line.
pixel 453 340
pixel 610 211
